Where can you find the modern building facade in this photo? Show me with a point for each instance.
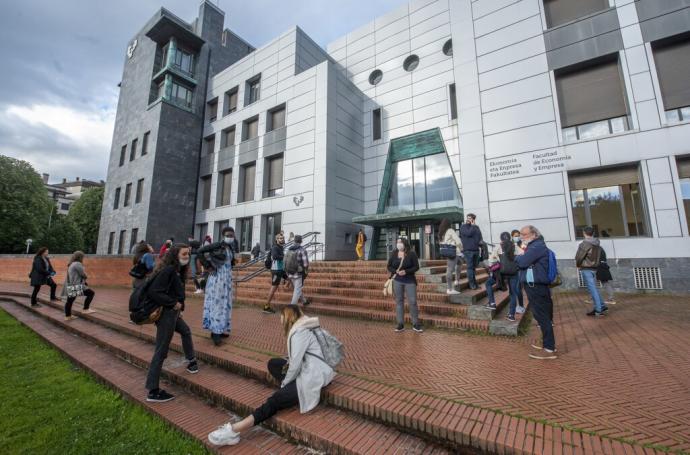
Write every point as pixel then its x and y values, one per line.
pixel 557 113
pixel 67 193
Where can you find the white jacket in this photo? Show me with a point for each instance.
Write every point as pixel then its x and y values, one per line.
pixel 311 373
pixel 451 237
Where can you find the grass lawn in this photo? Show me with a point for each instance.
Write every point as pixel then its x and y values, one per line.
pixel 49 406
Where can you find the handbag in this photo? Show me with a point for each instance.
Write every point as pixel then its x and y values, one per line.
pixel 75 290
pixel 388 286
pixel 448 250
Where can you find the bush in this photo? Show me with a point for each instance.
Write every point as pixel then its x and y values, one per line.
pixel 86 215
pixel 63 237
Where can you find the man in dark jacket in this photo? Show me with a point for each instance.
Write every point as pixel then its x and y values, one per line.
pixel 534 274
pixel 278 274
pixel 194 246
pixel 587 260
pixel 256 251
pixel 471 237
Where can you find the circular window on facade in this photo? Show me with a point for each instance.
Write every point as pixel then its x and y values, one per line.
pixel 375 77
pixel 411 63
pixel 448 47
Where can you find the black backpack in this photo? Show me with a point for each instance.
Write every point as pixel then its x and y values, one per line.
pixel 268 262
pixel 139 270
pixel 143 310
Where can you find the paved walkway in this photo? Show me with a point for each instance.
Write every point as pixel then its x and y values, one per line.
pixel 623 376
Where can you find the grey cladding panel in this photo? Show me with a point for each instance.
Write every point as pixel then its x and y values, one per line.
pixel 248 157
pixel 649 9
pixel 669 24
pixel 582 51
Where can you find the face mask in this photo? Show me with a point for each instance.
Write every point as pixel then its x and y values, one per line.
pixel 184 262
pixel 401 247
pixel 227 239
pixel 516 239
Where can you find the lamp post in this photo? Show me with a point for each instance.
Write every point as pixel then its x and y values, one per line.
pixel 28 245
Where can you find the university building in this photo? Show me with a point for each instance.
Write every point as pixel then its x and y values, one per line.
pixel 557 113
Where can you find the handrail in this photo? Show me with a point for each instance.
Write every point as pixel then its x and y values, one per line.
pixel 317 246
pixel 262 256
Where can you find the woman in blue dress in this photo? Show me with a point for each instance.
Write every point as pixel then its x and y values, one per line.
pixel 218 259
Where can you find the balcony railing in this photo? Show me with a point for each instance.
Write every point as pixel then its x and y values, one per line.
pixel 226 157
pixel 206 165
pixel 274 141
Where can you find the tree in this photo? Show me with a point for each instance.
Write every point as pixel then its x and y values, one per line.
pixel 86 215
pixel 24 205
pixel 63 237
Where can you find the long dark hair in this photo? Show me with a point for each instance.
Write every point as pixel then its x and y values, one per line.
pixel 507 245
pixel 139 252
pixel 170 258
pixel 443 227
pixel 406 244
pixel 41 251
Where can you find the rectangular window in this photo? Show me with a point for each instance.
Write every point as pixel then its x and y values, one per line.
pixel 218 228
pixel 559 12
pixel 245 235
pixel 273 183
pixel 123 154
pixel 276 119
pixel 592 99
pixel 205 192
pixel 145 143
pixel 133 150
pixel 64 206
pixel 121 243
pixel 684 176
pixel 128 193
pixel 140 191
pixel 376 123
pixel 231 101
pixel 610 201
pixel 247 182
pixel 212 107
pixel 250 129
pixel 133 238
pixel 253 89
pixel 224 187
pixel 672 58
pixel 116 202
pixel 111 241
pixel 453 102
pixel 202 231
pixel 181 95
pixel 209 145
pixel 228 137
pixel 271 225
pixel 184 61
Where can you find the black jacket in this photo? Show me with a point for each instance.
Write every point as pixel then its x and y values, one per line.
pixel 471 237
pixel 214 255
pixel 256 251
pixel 40 274
pixel 194 245
pixel 277 252
pixel 166 288
pixel 410 264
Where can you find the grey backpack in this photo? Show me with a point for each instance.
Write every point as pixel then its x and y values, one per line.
pixel 332 349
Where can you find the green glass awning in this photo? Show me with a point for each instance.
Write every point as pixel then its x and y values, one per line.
pixel 415 145
pixel 394 219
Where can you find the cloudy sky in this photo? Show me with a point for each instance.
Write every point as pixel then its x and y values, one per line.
pixel 62 61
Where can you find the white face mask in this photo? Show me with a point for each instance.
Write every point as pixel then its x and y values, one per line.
pixel 401 247
pixel 184 262
pixel 516 239
pixel 228 239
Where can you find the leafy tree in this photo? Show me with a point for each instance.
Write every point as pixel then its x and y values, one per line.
pixel 63 236
pixel 86 215
pixel 24 205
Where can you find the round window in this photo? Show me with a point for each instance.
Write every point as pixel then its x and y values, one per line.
pixel 375 77
pixel 411 63
pixel 448 47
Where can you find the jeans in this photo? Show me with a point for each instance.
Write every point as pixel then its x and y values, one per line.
pixel 490 288
pixel 452 265
pixel 34 294
pixel 88 293
pixel 515 292
pixel 283 398
pixel 297 284
pixel 167 325
pixel 541 305
pixel 608 286
pixel 471 258
pixel 399 290
pixel 590 278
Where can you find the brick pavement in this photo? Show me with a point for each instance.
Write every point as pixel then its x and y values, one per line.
pixel 624 376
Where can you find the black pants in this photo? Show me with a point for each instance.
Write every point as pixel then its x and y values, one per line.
pixel 88 293
pixel 283 398
pixel 167 325
pixel 541 305
pixel 34 294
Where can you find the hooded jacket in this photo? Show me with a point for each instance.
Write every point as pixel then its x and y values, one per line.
pixel 41 271
pixel 536 255
pixel 471 237
pixel 588 254
pixel 311 373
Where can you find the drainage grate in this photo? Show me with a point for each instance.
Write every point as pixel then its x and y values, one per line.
pixel 581 281
pixel 647 278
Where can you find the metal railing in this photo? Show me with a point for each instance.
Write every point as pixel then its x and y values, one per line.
pixel 262 257
pixel 313 249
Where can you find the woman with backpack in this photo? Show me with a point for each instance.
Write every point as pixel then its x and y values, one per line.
pixel 302 376
pixel 142 264
pixel 42 273
pixel 449 239
pixel 166 290
pixel 402 265
pixel 75 285
pixel 217 259
pixel 509 271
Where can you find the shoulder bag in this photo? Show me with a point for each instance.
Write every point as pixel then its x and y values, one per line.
pixel 388 286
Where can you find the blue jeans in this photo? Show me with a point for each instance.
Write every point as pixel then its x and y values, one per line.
pixel 490 288
pixel 192 265
pixel 515 292
pixel 471 260
pixel 590 278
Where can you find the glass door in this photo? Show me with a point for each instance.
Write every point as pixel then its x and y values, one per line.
pixel 272 228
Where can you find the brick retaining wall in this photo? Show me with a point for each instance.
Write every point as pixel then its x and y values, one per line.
pixel 101 270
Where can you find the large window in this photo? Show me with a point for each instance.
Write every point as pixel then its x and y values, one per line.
pixel 271 225
pixel 133 237
pixel 253 90
pixel 376 124
pixel 181 95
pixel 275 119
pixel 422 183
pixel 133 150
pixel 145 143
pixel 228 137
pixel 231 101
pixel 672 58
pixel 111 241
pixel 121 243
pixel 273 180
pixel 592 99
pixel 184 61
pixel 209 144
pixel 245 226
pixel 202 231
pixel 453 102
pixel 562 11
pixel 610 201
pixel 212 107
pixel 116 201
pixel 123 154
pixel 205 192
pixel 128 195
pixel 247 182
pixel 684 175
pixel 224 186
pixel 250 129
pixel 140 191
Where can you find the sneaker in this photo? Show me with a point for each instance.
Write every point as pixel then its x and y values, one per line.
pixel 268 310
pixel 456 282
pixel 546 355
pixel 55 299
pixel 89 311
pixel 520 309
pixel 399 328
pixel 610 302
pixel 491 306
pixel 224 436
pixel 537 347
pixel 605 309
pixel 198 291
pixel 589 301
pixel 70 318
pixel 595 313
pixel 159 396
pixel 452 292
pixel 193 367
pixel 510 318
pixel 418 328
pixel 306 302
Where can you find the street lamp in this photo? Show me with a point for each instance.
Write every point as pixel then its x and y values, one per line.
pixel 28 245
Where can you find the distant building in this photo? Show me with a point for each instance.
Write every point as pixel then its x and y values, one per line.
pixel 67 193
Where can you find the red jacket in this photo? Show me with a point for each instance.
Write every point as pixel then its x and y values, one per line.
pixel 164 249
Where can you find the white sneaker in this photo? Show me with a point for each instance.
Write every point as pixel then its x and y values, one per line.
pixel 224 436
pixel 198 291
pixel 457 282
pixel 520 309
pixel 452 292
pixel 610 302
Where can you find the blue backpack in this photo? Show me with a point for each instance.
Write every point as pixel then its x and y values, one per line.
pixel 552 273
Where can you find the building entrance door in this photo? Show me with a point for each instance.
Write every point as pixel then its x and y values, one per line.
pixel 272 226
pixel 422 237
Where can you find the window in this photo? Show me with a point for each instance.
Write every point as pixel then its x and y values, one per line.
pixel 231 101
pixel 275 119
pixel 140 191
pixel 253 90
pixel 111 241
pixel 273 180
pixel 224 187
pixel 205 192
pixel 684 176
pixel 228 137
pixel 181 95
pixel 672 58
pixel 448 47
pixel 245 238
pixel 592 99
pixel 116 202
pixel 218 228
pixel 453 102
pixel 250 129
pixel 411 63
pixel 64 206
pixel 202 231
pixel 271 226
pixel 133 237
pixel 376 124
pixel 121 243
pixel 184 61
pixel 610 201
pixel 128 193
pixel 559 12
pixel 247 182
pixel 212 110
pixel 375 77
pixel 133 150
pixel 145 143
pixel 123 153
pixel 209 144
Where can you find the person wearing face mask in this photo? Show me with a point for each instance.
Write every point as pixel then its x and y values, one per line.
pixel 217 259
pixel 167 290
pixel 278 274
pixel 403 263
pixel 515 236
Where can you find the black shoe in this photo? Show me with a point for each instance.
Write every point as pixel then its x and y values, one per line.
pixel 418 328
pixel 605 309
pixel 216 338
pixel 268 310
pixel 159 396
pixel 193 367
pixel 306 302
pixel 400 328
pixel 225 335
pixel 595 313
